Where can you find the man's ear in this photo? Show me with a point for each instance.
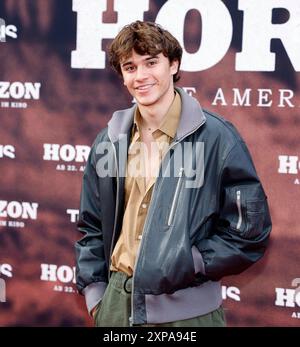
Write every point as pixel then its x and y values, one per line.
pixel 174 67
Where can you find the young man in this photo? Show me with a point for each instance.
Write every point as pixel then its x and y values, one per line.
pixel 171 201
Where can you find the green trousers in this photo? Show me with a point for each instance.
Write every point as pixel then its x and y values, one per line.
pixel 115 309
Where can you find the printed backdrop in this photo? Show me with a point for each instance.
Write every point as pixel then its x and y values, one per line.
pixel 241 60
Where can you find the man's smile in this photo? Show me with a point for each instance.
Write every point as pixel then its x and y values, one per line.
pixel 145 86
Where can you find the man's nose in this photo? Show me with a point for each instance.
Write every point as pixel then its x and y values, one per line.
pixel 141 73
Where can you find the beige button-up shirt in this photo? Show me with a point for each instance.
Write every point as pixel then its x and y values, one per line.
pixel 142 170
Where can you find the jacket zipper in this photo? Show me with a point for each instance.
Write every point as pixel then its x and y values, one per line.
pixel 116 211
pixel 131 318
pixel 138 253
pixel 171 215
pixel 239 207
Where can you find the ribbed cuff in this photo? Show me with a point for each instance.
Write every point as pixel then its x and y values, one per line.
pixel 93 294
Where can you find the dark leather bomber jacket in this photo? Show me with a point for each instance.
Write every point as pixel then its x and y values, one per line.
pixel 198 229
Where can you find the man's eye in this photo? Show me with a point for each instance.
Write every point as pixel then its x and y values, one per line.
pixel 129 68
pixel 152 62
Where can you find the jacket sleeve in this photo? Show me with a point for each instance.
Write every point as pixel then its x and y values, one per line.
pixel 241 230
pixel 91 269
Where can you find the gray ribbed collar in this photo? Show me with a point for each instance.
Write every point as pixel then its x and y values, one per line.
pixel 192 117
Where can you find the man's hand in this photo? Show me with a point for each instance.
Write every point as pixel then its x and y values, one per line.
pixel 93 311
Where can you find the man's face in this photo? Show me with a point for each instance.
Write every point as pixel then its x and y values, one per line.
pixel 149 79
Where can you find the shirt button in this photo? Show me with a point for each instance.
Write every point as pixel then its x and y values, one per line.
pixel 144 205
pixel 140 237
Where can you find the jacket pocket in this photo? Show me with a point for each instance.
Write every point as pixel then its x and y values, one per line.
pixel 175 197
pixel 198 261
pixel 244 210
pixel 255 217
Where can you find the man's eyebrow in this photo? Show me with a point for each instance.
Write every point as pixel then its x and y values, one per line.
pixel 129 62
pixel 126 63
pixel 152 57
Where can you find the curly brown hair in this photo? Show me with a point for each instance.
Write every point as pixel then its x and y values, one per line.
pixel 145 38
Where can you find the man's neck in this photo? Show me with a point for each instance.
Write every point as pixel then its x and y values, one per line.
pixel 153 115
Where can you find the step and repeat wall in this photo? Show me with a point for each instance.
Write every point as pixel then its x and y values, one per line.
pixel 241 59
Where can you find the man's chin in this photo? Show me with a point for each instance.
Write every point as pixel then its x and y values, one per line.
pixel 145 101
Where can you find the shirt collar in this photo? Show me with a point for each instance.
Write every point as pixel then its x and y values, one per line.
pixel 170 121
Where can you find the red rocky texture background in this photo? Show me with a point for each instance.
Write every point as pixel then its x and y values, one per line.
pixel 74 106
